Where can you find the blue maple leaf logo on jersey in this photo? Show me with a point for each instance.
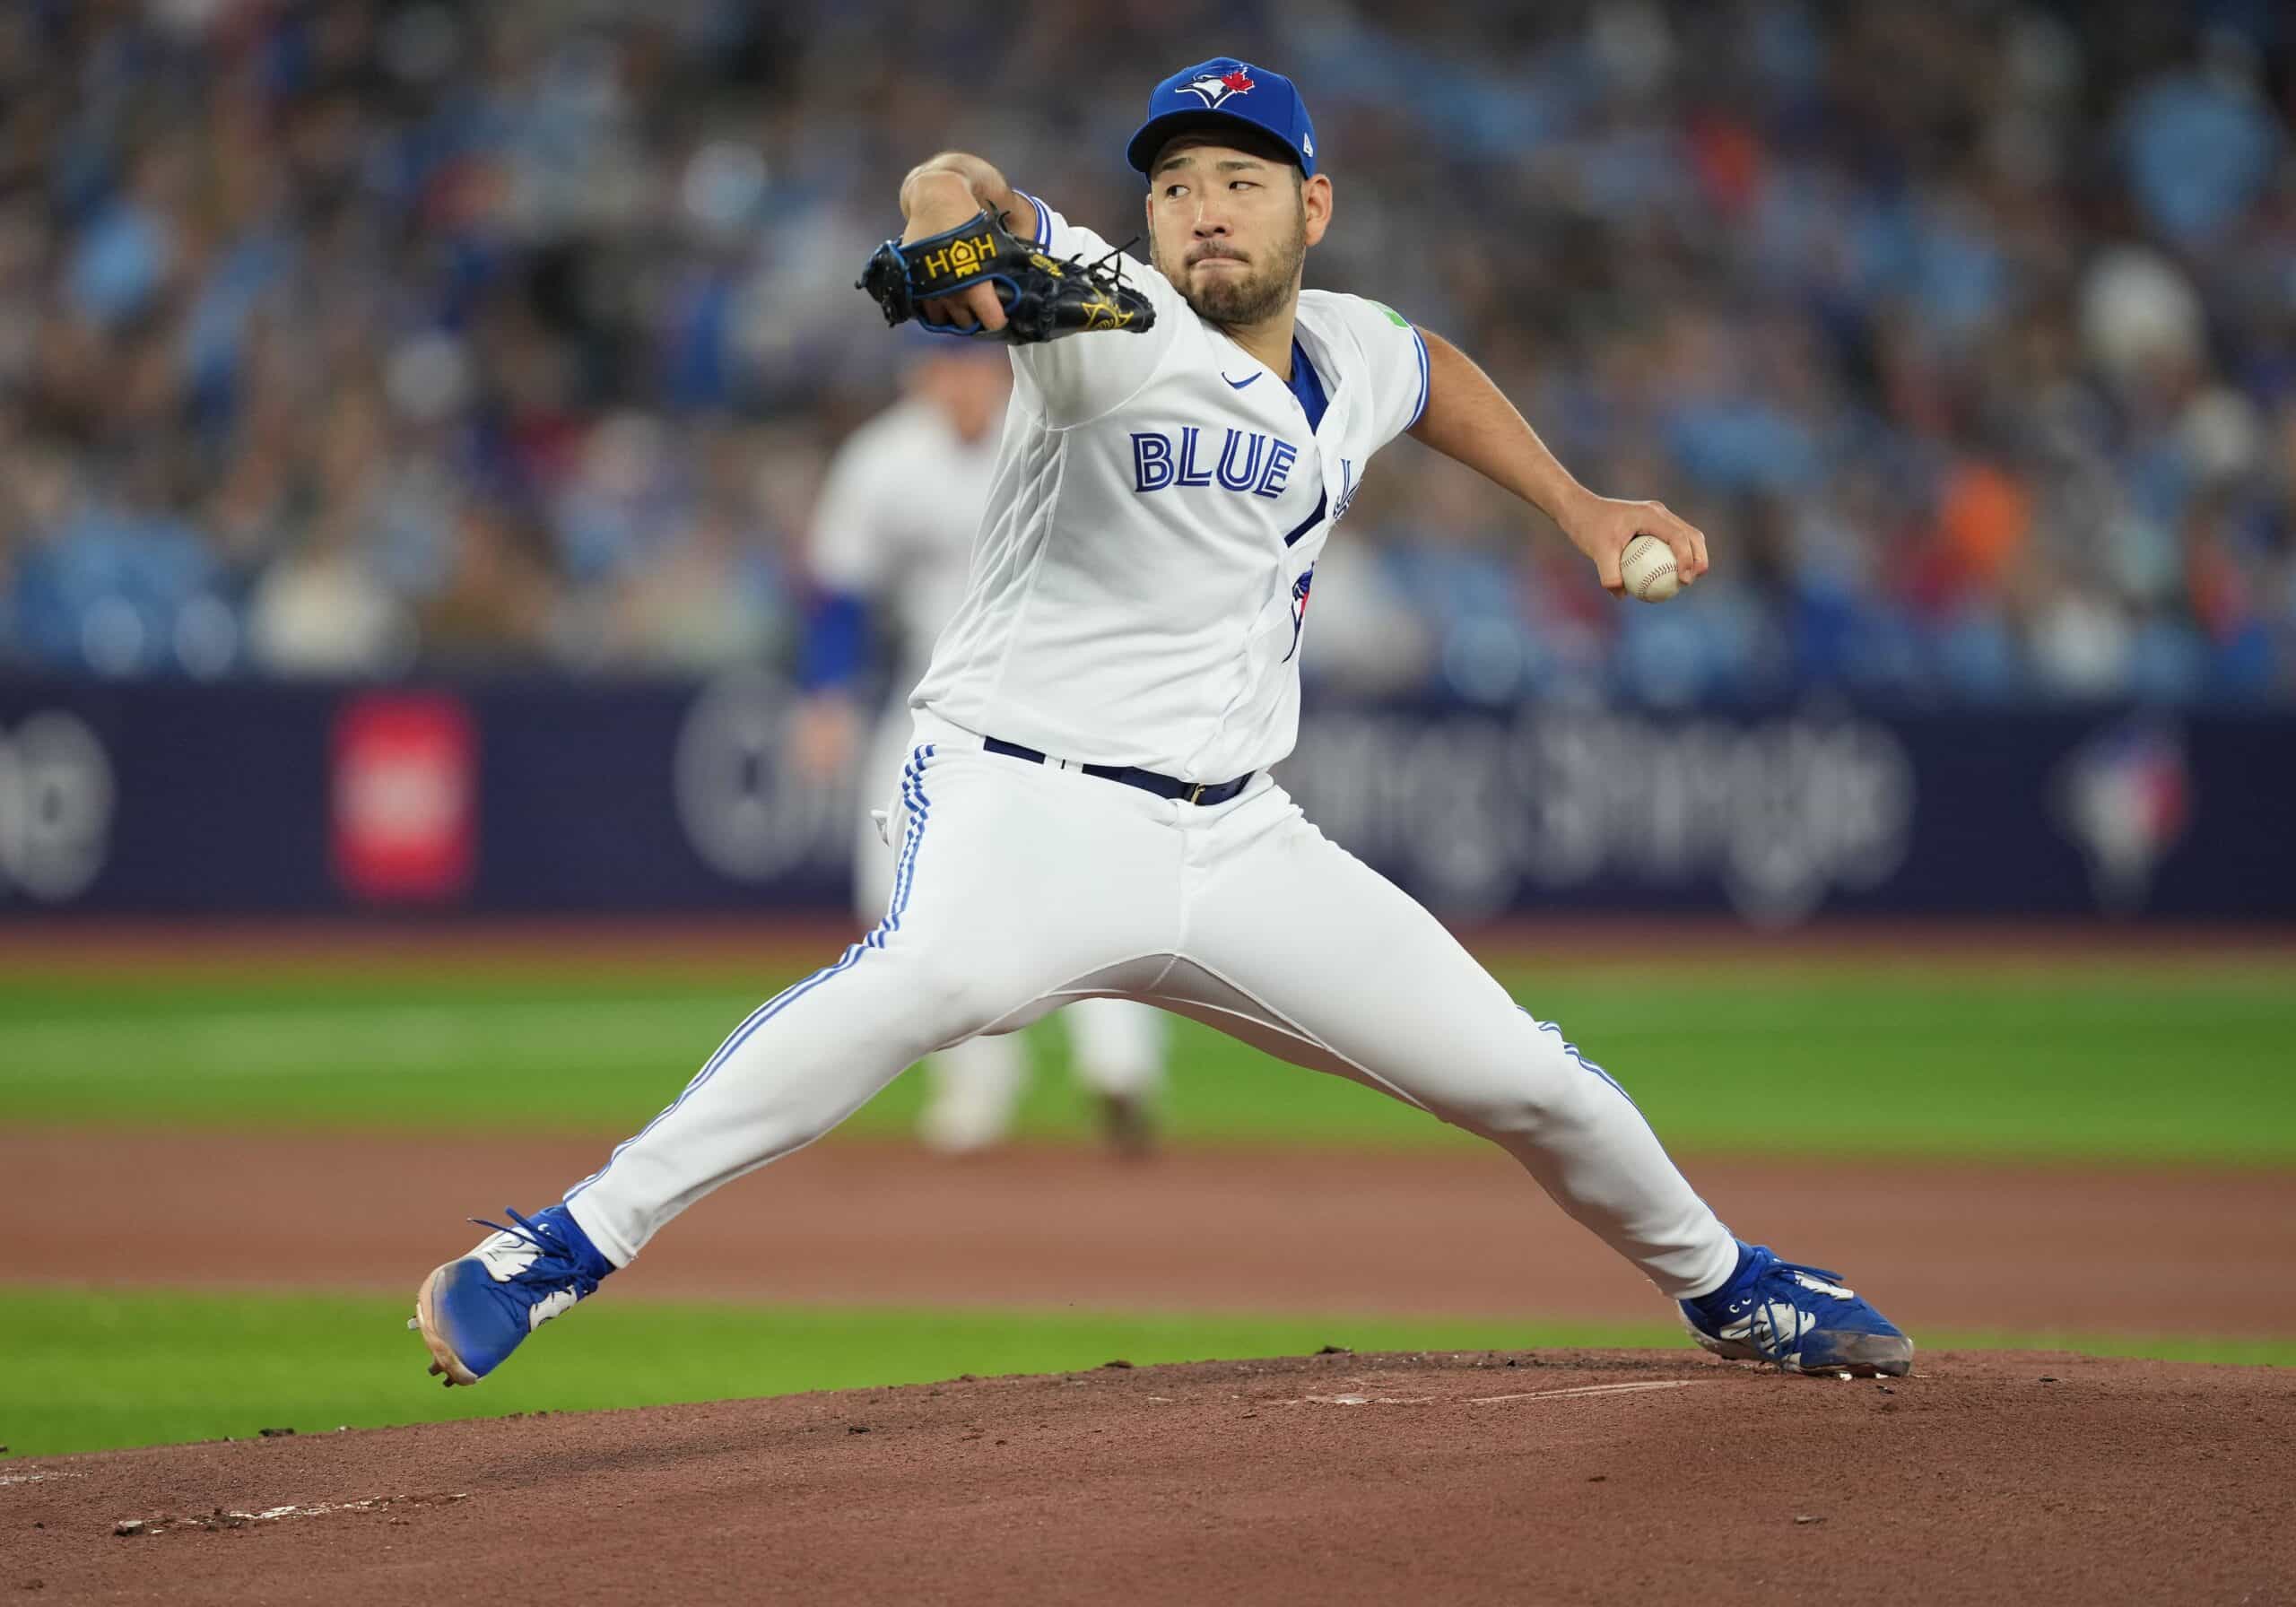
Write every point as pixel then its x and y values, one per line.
pixel 1213 88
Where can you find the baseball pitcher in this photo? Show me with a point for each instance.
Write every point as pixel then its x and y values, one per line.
pixel 1085 807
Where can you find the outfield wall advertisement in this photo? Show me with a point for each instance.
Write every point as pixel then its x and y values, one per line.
pixel 651 799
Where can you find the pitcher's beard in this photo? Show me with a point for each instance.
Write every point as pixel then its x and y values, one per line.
pixel 1240 298
pixel 1233 298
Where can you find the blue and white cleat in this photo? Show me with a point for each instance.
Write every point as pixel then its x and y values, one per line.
pixel 1799 1319
pixel 476 1310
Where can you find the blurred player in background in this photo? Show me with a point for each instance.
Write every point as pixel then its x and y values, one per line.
pixel 891 543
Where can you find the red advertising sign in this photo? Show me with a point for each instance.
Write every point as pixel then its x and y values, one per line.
pixel 404 796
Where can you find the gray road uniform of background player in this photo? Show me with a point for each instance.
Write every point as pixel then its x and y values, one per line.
pixel 894 529
pixel 1137 597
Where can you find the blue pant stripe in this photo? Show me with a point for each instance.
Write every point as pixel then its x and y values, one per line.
pixel 923 807
pixel 792 994
pixel 911 801
pixel 876 938
pixel 755 1019
pixel 912 792
pixel 1571 1049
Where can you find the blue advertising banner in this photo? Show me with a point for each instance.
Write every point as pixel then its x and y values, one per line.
pixel 552 798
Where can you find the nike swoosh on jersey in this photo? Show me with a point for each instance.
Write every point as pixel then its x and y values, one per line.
pixel 1240 384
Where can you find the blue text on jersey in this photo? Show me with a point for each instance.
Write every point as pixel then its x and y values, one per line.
pixel 1249 461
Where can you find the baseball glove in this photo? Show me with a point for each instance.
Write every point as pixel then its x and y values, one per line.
pixel 1045 299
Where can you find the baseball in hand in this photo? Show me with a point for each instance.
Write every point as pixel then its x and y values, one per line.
pixel 1648 568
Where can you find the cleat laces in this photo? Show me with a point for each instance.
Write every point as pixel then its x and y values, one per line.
pixel 1763 1332
pixel 552 1248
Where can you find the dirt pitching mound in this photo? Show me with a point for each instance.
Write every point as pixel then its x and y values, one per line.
pixel 1559 1476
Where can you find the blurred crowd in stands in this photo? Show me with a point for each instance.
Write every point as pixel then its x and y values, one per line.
pixel 366 338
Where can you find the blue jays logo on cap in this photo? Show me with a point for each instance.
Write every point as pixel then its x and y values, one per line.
pixel 1213 88
pixel 1224 91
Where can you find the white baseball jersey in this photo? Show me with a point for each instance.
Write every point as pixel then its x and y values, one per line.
pixel 1141 578
pixel 896 519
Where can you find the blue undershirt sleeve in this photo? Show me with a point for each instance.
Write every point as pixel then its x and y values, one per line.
pixel 835 636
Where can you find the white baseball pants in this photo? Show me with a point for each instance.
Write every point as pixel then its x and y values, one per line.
pixel 1021 887
pixel 1117 1047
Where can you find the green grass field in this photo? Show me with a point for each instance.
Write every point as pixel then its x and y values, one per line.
pixel 92 1370
pixel 2074 1059
pixel 2078 1060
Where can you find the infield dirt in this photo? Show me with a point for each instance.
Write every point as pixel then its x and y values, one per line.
pixel 1558 1477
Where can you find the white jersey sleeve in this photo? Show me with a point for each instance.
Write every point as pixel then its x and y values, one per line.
pixel 851 549
pixel 1072 381
pixel 1394 355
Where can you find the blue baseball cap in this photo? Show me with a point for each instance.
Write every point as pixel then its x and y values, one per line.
pixel 1224 89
